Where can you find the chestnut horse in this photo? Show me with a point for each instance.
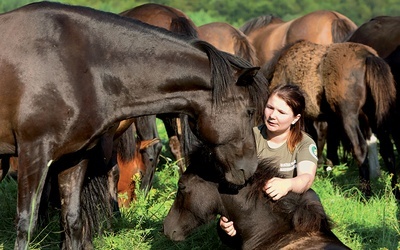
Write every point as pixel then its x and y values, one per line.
pixel 227 38
pixel 97 69
pixel 269 33
pixel 346 84
pixel 136 159
pixel 295 221
pixel 382 33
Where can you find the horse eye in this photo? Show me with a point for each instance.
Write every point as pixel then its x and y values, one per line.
pixel 251 111
pixel 181 186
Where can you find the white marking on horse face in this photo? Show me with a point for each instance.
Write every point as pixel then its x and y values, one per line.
pixel 49 163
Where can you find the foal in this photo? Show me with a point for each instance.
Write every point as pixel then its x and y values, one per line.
pixel 293 222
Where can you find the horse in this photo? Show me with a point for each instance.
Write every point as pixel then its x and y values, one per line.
pixel 382 34
pixel 97 69
pixel 174 20
pixel 163 16
pixel 140 162
pixel 331 76
pixel 293 222
pixel 227 38
pixel 270 33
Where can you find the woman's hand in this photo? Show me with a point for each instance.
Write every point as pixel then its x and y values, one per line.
pixel 276 187
pixel 227 226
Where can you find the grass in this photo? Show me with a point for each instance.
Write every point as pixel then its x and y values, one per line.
pixel 359 223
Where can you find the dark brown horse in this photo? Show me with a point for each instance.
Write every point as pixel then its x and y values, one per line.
pixel 97 69
pixel 293 222
pixel 346 84
pixel 227 38
pixel 382 33
pixel 269 33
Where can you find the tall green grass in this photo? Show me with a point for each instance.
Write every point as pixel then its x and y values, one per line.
pixel 360 223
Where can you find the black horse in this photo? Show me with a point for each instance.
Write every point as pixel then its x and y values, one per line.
pixel 71 74
pixel 294 222
pixel 382 33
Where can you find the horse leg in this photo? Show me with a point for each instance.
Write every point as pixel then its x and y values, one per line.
pixel 374 168
pixel 146 129
pixel 32 172
pixel 321 128
pixel 70 187
pixel 172 126
pixel 387 153
pixel 360 151
pixel 4 166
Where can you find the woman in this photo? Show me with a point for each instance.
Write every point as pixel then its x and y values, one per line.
pixel 281 136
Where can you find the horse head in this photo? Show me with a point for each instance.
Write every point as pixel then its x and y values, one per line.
pixel 197 200
pixel 203 194
pixel 239 94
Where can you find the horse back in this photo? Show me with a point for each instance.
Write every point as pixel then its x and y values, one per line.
pixel 381 33
pixel 302 59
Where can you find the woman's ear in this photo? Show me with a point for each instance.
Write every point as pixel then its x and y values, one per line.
pixel 296 119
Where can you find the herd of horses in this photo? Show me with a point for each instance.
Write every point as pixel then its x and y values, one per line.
pixel 78 125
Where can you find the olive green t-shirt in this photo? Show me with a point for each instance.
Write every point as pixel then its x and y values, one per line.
pixel 306 150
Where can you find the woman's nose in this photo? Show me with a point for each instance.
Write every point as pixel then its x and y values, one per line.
pixel 272 114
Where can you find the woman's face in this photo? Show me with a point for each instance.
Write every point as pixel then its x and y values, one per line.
pixel 278 115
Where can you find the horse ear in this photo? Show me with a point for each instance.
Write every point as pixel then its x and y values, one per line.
pixel 246 76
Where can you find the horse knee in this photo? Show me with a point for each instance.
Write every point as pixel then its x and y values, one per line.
pixel 73 221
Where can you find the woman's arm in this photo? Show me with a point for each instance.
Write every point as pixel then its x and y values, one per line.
pixel 276 187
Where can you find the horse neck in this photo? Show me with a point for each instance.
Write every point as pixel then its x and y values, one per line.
pixel 157 82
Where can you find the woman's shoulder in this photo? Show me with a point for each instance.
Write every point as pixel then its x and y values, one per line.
pixel 307 138
pixel 257 130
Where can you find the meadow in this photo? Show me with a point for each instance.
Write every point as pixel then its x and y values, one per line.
pixel 360 223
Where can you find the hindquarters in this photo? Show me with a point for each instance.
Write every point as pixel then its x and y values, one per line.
pixel 342 27
pixel 321 27
pixel 163 16
pixel 359 89
pixel 299 63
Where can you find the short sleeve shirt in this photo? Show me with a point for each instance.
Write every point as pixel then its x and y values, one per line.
pixel 306 150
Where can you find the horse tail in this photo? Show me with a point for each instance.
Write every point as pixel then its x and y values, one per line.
pixel 244 48
pixel 342 28
pixel 98 197
pixel 259 22
pixel 381 85
pixel 183 26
